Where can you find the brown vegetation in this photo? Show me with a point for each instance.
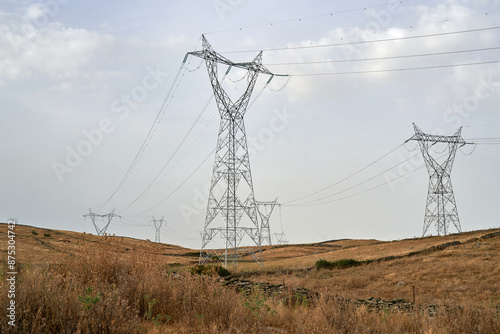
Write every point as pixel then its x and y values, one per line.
pixel 90 284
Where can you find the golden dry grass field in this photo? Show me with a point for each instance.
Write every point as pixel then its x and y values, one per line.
pixel 70 282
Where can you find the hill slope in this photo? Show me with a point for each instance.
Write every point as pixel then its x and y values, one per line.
pixel 457 266
pixel 71 282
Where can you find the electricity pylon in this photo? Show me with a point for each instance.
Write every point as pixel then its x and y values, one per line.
pixel 265 214
pixel 231 190
pixel 109 216
pixel 157 224
pixel 281 238
pixel 440 208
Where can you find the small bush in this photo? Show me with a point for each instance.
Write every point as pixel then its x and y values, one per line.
pixel 323 264
pixel 46 235
pixel 34 232
pixel 340 264
pixel 346 263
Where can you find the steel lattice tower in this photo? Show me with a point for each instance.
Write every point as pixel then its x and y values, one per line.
pixel 157 224
pixel 265 214
pixel 440 208
pixel 281 238
pixel 231 192
pixel 109 216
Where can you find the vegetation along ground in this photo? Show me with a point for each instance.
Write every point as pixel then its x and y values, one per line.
pixel 70 282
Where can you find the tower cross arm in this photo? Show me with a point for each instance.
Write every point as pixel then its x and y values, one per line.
pixel 210 55
pixel 215 57
pixel 454 139
pixel 268 202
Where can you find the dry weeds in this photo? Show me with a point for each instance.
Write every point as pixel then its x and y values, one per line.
pixel 99 287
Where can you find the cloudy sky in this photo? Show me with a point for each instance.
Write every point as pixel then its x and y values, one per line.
pixel 84 84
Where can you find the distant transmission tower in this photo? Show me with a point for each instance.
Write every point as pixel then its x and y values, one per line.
pixel 440 208
pixel 109 216
pixel 157 224
pixel 265 214
pixel 231 171
pixel 281 238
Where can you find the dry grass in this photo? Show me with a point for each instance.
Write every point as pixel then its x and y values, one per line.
pixel 95 285
pixel 39 245
pixel 304 256
pixel 469 271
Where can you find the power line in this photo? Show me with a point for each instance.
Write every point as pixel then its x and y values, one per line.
pixel 306 17
pixel 385 58
pixel 361 192
pixel 496 138
pixel 357 156
pixel 179 186
pixel 354 186
pixel 132 222
pixel 368 41
pixel 345 178
pixel 484 141
pixel 397 69
pixel 146 140
pixel 300 19
pixel 171 156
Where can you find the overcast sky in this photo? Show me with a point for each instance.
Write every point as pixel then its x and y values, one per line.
pixel 82 82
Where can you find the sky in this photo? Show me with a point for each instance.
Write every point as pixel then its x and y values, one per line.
pixel 84 84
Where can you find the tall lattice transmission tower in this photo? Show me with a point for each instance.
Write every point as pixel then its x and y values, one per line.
pixel 231 194
pixel 107 218
pixel 441 208
pixel 265 210
pixel 157 224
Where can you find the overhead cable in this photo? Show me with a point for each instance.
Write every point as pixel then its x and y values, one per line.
pixel 308 17
pixel 366 41
pixel 146 140
pixel 354 186
pixel 384 58
pixel 345 178
pixel 396 69
pixel 359 193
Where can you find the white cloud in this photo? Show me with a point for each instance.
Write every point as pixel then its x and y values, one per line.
pixel 52 51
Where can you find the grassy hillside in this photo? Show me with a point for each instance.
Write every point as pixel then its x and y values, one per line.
pixel 39 245
pixel 69 282
pixel 442 269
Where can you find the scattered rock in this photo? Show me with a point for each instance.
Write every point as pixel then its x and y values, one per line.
pixel 400 283
pixel 268 289
pixel 394 304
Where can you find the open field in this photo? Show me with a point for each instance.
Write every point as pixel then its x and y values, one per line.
pixel 69 282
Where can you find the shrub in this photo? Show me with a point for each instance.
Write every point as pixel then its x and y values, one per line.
pixel 34 232
pixel 323 264
pixel 346 263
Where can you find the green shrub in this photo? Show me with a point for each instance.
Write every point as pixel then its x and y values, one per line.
pixel 323 264
pixel 346 263
pixel 34 232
